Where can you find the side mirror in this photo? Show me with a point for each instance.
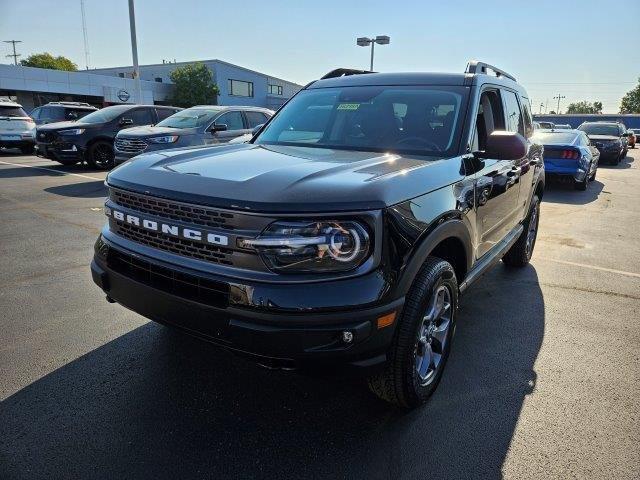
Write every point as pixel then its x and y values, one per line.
pixel 125 121
pixel 256 129
pixel 503 145
pixel 219 127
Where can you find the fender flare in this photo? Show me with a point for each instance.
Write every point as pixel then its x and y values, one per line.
pixel 453 228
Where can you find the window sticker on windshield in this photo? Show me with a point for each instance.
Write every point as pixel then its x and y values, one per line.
pixel 348 106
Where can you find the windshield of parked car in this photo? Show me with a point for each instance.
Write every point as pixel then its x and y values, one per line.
pixel 106 114
pixel 6 111
pixel 194 117
pixel 600 129
pixel 555 138
pixel 405 119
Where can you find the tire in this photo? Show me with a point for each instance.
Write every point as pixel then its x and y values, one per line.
pixel 593 175
pixel 100 156
pixel 27 150
pixel 520 252
pixel 413 370
pixel 582 186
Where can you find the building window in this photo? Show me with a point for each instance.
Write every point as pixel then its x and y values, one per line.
pixel 121 74
pixel 275 89
pixel 238 88
pixel 158 79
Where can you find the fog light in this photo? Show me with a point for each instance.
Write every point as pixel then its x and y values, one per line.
pixel 347 336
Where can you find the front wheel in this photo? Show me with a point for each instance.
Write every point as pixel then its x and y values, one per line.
pixel 520 252
pixel 422 340
pixel 100 155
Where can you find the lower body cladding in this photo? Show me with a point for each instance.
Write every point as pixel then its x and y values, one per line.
pixel 355 339
pixel 60 151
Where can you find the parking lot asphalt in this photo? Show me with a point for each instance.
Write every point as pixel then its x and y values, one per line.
pixel 543 380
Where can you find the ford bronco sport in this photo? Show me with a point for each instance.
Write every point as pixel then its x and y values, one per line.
pixel 343 233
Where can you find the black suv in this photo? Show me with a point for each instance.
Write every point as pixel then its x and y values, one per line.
pixel 610 138
pixel 60 112
pixel 90 138
pixel 343 233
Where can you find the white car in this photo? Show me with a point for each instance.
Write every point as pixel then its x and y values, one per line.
pixel 17 129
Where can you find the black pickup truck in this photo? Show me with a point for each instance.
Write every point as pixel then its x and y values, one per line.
pixel 343 233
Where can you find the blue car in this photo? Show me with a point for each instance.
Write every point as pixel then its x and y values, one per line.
pixel 569 154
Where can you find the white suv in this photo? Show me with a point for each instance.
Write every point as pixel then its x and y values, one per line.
pixel 17 129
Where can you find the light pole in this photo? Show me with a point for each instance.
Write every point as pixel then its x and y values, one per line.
pixel 365 42
pixel 134 50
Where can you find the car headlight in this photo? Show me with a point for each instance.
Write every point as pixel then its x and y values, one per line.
pixel 164 139
pixel 312 246
pixel 72 131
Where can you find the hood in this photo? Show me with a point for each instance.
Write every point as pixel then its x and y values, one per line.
pixel 603 137
pixel 148 131
pixel 63 125
pixel 285 179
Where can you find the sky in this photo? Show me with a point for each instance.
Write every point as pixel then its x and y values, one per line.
pixel 582 50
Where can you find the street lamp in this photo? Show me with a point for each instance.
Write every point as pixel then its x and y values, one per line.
pixel 365 42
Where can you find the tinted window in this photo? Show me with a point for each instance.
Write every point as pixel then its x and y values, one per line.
pixel 233 120
pixel 190 118
pixel 255 118
pixel 75 113
pixel 600 129
pixel 165 113
pixel 514 118
pixel 12 112
pixel 106 114
pixel 35 113
pixel 366 118
pixel 140 116
pixel 528 119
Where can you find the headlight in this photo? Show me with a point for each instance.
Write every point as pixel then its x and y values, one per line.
pixel 312 246
pixel 165 139
pixel 72 131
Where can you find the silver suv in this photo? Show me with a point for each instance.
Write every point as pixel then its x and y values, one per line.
pixel 196 126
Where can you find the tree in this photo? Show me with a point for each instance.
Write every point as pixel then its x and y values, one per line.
pixel 631 101
pixel 46 60
pixel 193 86
pixel 585 107
pixel 552 112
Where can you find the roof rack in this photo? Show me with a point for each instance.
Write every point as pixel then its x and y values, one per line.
pixel 474 66
pixel 343 72
pixel 74 104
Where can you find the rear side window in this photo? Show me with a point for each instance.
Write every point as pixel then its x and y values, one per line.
pixel 255 118
pixel 528 120
pixel 515 121
pixel 140 116
pixel 233 120
pixel 12 112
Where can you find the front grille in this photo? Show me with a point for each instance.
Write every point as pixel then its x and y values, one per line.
pixel 45 137
pixel 192 214
pixel 202 290
pixel 179 246
pixel 130 145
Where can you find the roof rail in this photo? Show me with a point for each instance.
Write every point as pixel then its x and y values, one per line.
pixel 76 104
pixel 343 72
pixel 474 66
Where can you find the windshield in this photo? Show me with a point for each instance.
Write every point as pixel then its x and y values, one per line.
pixel 600 129
pixel 106 114
pixel 555 138
pixel 405 119
pixel 190 118
pixel 12 112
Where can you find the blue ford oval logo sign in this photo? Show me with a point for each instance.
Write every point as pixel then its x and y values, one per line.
pixel 123 95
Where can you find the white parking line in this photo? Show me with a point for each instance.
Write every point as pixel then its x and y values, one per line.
pixel 50 170
pixel 593 267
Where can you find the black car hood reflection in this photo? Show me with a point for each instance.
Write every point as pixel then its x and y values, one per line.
pixel 283 178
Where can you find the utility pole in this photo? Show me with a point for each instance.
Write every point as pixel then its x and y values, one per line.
pixel 541 105
pixel 84 33
pixel 15 55
pixel 546 107
pixel 559 97
pixel 134 51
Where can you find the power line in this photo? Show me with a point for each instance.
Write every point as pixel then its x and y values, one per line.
pixel 15 55
pixel 559 97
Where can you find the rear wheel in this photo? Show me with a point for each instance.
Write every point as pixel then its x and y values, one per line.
pixel 100 155
pixel 422 340
pixel 520 252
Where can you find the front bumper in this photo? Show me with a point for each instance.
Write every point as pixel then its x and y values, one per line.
pixel 207 307
pixel 60 151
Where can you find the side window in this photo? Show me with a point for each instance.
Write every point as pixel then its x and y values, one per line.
pixel 140 116
pixel 490 118
pixel 255 118
pixel 46 114
pixel 233 120
pixel 164 113
pixel 514 115
pixel 528 120
pixel 35 114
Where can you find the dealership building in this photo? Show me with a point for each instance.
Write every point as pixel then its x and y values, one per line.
pixel 32 87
